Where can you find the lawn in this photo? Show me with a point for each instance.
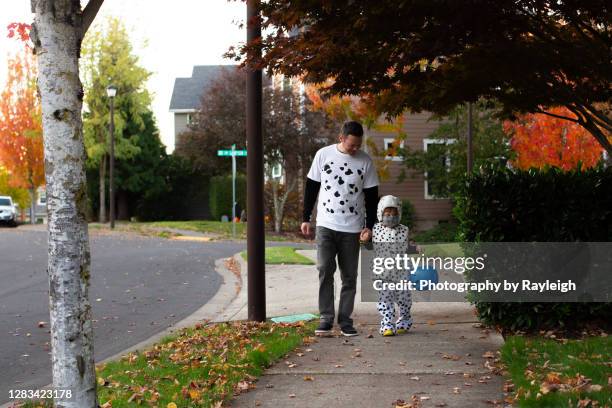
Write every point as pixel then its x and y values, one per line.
pixel 197 367
pixel 216 229
pixel 452 249
pixel 283 256
pixel 559 373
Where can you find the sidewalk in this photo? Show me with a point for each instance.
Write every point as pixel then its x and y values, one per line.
pixel 439 363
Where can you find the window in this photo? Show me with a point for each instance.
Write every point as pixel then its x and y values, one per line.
pixel 277 171
pixel 42 196
pixel 436 182
pixel 388 143
pixel 189 119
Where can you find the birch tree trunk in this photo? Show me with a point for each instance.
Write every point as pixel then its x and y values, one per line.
pixel 57 34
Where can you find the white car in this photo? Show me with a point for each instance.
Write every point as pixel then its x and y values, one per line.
pixel 8 214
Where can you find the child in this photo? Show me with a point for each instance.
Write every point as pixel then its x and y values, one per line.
pixel 390 238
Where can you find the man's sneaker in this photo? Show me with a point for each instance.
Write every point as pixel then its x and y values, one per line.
pixel 324 329
pixel 349 331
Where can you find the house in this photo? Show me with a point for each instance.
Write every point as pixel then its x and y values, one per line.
pixel 429 209
pixel 187 94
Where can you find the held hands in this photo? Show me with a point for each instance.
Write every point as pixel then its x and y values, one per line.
pixel 366 235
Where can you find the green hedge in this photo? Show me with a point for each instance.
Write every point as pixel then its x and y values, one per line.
pixel 407 213
pixel 549 205
pixel 443 232
pixel 220 195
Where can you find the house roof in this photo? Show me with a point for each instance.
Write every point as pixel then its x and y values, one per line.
pixel 188 91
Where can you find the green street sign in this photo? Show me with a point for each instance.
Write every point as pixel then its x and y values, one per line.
pixel 229 152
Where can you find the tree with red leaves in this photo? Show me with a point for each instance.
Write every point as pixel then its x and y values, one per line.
pixel 540 140
pixel 21 142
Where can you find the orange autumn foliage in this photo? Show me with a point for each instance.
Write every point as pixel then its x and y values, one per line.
pixel 21 142
pixel 541 140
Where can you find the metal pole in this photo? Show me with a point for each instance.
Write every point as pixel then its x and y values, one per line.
pixel 470 148
pixel 233 191
pixel 111 189
pixel 255 224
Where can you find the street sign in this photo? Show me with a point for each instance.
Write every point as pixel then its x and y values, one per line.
pixel 229 153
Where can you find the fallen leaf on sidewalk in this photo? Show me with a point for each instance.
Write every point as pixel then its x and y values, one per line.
pixel 308 378
pixel 453 357
pixel 489 354
pixel 456 390
pixel 415 378
pixel 291 395
pixel 339 366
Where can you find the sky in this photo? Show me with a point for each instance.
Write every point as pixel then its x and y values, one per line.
pixel 170 37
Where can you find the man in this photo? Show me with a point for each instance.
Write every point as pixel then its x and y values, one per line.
pixel 347 182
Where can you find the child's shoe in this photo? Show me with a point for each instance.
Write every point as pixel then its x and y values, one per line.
pixel 403 326
pixel 387 331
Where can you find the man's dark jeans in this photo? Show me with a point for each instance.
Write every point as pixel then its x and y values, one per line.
pixel 346 246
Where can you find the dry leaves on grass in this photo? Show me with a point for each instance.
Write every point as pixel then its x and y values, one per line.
pixel 222 350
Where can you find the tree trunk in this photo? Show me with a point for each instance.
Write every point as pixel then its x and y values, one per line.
pixel 102 191
pixel 56 35
pixel 32 192
pixel 277 225
pixel 123 206
pixel 280 201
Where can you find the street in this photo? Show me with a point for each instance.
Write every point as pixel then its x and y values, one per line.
pixel 139 286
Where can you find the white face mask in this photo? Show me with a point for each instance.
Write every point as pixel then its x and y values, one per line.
pixel 390 220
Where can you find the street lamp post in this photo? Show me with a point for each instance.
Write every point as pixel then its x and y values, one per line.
pixel 111 91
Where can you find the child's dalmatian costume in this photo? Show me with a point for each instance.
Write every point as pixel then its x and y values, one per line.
pixel 388 242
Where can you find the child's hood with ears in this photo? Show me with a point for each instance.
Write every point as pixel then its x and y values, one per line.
pixel 386 202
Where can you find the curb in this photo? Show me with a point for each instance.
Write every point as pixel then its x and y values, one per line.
pixel 212 310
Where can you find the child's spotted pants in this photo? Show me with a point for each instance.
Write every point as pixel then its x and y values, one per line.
pixel 386 308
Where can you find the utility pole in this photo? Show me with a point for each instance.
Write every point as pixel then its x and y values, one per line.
pixel 255 179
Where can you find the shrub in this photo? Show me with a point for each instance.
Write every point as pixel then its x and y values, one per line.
pixel 407 213
pixel 220 195
pixel 548 205
pixel 443 232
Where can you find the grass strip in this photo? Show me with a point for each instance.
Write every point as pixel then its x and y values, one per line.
pixel 283 256
pixel 559 373
pixel 202 366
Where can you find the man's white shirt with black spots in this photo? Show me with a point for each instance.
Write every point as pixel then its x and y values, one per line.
pixel 343 178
